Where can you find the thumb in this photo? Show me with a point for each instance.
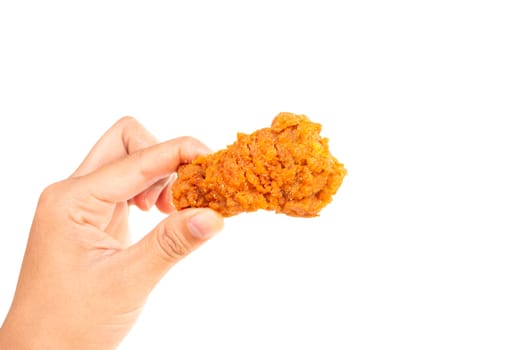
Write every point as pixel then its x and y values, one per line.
pixel 175 237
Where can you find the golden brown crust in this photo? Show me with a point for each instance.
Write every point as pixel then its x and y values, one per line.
pixel 286 168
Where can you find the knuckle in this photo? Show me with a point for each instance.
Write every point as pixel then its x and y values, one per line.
pixel 56 198
pixel 189 147
pixel 188 143
pixel 187 140
pixel 134 136
pixel 126 121
pixel 172 243
pixel 52 193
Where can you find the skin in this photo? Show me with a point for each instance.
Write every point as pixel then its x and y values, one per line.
pixel 82 284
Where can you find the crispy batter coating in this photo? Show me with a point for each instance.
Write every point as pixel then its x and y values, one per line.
pixel 286 168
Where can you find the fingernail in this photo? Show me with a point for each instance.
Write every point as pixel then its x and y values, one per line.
pixel 205 224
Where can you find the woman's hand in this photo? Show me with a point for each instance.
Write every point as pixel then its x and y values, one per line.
pixel 82 285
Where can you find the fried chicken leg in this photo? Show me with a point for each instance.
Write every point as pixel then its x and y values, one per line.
pixel 286 168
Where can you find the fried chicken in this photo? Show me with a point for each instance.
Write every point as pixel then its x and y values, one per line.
pixel 286 168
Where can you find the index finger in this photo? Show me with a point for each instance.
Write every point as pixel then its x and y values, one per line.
pixel 123 179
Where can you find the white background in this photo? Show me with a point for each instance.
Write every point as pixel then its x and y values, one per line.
pixel 418 249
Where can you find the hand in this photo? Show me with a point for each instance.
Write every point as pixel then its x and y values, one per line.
pixel 82 285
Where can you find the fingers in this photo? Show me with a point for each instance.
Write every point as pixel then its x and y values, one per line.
pixel 125 137
pixel 118 226
pixel 149 197
pixel 124 179
pixel 164 201
pixel 172 240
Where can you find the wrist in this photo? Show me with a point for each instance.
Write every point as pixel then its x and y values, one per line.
pixel 9 340
pixel 17 334
pixel 21 336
